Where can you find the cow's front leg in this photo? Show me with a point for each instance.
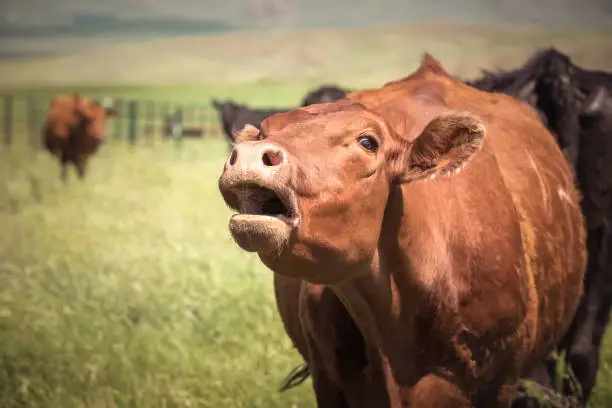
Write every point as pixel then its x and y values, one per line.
pixel 64 162
pixel 81 166
pixel 328 394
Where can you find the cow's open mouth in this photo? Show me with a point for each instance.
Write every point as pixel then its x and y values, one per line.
pixel 254 202
pixel 265 217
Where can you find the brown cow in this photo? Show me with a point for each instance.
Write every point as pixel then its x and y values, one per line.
pixel 424 235
pixel 74 130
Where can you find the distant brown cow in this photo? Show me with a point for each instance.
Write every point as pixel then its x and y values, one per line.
pixel 424 235
pixel 74 130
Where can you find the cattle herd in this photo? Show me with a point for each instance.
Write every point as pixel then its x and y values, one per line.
pixel 434 240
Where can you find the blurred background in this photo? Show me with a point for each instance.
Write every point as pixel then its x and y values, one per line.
pixel 125 289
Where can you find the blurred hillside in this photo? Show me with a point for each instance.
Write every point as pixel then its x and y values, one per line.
pixel 354 57
pixel 361 42
pixel 308 13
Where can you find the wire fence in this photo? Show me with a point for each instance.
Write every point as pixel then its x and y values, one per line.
pixel 22 118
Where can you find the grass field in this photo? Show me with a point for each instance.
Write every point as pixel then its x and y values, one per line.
pixel 127 290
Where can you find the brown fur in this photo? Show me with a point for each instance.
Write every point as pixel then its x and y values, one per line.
pixel 457 250
pixel 74 130
pixel 248 132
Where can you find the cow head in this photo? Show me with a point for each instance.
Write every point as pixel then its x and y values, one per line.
pixel 229 112
pixel 546 82
pixel 324 94
pixel 598 103
pixel 226 109
pixel 92 116
pixel 311 187
pixel 217 105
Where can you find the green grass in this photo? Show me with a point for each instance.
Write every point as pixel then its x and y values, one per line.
pixel 127 290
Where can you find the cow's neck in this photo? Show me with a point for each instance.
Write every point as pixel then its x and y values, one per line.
pixel 375 303
pixel 388 305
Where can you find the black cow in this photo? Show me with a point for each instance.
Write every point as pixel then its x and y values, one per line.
pixel 324 94
pixel 576 105
pixel 555 87
pixel 235 116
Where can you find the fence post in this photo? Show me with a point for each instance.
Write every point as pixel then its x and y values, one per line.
pixel 119 119
pixel 8 119
pixel 32 121
pixel 177 130
pixel 150 121
pixel 164 113
pixel 192 117
pixel 202 115
pixel 132 117
pixel 199 113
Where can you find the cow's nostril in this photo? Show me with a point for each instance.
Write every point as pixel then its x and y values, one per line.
pixel 272 157
pixel 233 157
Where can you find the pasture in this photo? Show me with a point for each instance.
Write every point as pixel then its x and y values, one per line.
pixel 126 290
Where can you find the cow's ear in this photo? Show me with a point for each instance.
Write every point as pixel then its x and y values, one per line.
pixel 248 133
pixel 445 146
pixel 595 102
pixel 525 92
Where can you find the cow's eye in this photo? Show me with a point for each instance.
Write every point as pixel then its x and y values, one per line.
pixel 368 143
